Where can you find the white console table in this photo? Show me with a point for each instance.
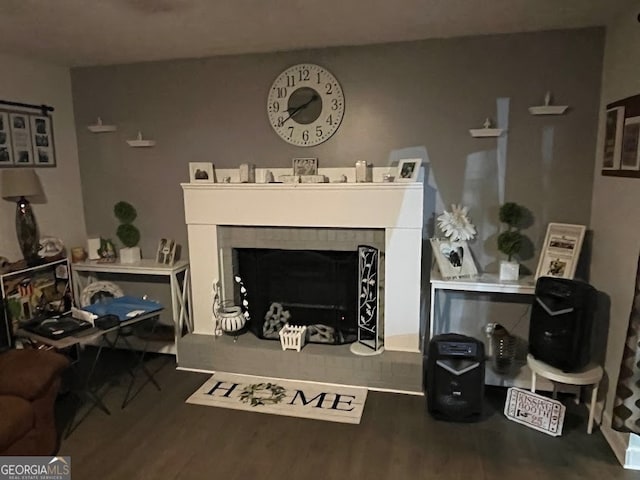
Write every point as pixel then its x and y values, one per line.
pixel 179 283
pixel 486 283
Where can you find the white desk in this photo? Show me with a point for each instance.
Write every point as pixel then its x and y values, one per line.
pixel 486 283
pixel 179 283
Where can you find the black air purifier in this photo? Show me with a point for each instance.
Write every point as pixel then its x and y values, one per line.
pixel 454 377
pixel 561 323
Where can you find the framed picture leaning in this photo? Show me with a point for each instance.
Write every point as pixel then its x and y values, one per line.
pixel 561 250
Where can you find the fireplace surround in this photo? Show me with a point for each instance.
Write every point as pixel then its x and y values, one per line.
pixel 395 210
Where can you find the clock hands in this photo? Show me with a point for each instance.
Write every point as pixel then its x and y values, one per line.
pixel 294 111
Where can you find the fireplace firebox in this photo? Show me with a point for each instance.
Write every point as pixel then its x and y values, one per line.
pixel 312 288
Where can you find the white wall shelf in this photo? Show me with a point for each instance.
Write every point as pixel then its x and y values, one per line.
pixel 487 131
pixel 100 127
pixel 547 108
pixel 140 142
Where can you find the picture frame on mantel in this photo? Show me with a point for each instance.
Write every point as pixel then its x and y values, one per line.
pixel 621 150
pixel 408 170
pixel 201 172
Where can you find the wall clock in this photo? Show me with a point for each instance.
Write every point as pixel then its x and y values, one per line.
pixel 305 105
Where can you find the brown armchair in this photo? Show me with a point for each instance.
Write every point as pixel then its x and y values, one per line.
pixel 29 384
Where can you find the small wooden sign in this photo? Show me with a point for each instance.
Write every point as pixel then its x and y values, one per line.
pixel 535 411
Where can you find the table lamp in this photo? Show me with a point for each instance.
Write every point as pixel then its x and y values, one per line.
pixel 17 184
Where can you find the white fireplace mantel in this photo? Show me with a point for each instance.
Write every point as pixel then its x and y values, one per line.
pixel 395 207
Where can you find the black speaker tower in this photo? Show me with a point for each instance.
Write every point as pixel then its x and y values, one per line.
pixel 454 377
pixel 561 323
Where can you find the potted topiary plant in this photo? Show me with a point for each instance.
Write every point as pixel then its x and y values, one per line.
pixel 510 240
pixel 128 233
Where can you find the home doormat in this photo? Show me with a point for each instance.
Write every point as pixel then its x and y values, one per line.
pixel 535 411
pixel 319 401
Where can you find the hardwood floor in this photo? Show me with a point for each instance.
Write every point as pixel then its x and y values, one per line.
pixel 158 436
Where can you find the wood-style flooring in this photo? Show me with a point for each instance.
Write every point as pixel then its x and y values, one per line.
pixel 159 436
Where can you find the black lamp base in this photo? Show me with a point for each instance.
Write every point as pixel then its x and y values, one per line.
pixel 27 232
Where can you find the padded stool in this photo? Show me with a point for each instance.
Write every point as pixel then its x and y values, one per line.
pixel 590 375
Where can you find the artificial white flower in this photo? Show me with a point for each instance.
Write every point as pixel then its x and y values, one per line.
pixel 456 225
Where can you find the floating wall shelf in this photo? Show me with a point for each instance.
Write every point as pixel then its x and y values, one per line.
pixel 100 127
pixel 547 108
pixel 487 131
pixel 140 142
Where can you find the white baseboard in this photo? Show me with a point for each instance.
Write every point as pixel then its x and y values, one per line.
pixel 618 441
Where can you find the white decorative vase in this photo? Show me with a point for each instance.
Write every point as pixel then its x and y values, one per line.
pixel 509 271
pixel 130 255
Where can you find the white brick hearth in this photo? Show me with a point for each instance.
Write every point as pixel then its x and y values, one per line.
pixel 397 208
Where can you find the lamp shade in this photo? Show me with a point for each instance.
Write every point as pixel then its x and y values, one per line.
pixel 20 182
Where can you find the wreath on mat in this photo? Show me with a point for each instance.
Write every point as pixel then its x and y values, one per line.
pixel 262 394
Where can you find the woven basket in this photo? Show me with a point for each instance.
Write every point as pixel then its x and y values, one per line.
pixel 292 337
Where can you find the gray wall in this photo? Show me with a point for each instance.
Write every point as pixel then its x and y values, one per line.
pixel 60 212
pixel 417 94
pixel 615 219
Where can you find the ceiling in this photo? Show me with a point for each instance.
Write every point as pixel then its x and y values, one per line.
pixel 102 32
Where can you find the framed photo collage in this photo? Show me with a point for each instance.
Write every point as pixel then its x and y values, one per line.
pixel 26 140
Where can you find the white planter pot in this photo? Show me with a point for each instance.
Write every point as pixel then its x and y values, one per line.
pixel 130 255
pixel 509 271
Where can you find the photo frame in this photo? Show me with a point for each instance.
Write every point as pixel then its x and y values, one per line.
pixel 613 138
pixel 42 140
pixel 166 253
pixel 21 139
pixel 201 172
pixel 6 150
pixel 454 259
pixel 305 166
pixel 621 149
pixel 630 155
pixel 408 170
pixel 26 139
pixel 561 250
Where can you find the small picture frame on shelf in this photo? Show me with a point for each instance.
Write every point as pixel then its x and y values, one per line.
pixel 453 258
pixel 408 170
pixel 201 172
pixel 561 250
pixel 305 166
pixel 166 254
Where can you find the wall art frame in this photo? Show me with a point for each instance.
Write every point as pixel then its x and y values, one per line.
pixel 26 139
pixel 621 149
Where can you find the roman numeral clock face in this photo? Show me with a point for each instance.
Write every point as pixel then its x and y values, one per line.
pixel 305 105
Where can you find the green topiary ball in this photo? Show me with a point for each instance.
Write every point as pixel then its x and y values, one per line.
pixel 509 242
pixel 125 212
pixel 511 213
pixel 128 234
